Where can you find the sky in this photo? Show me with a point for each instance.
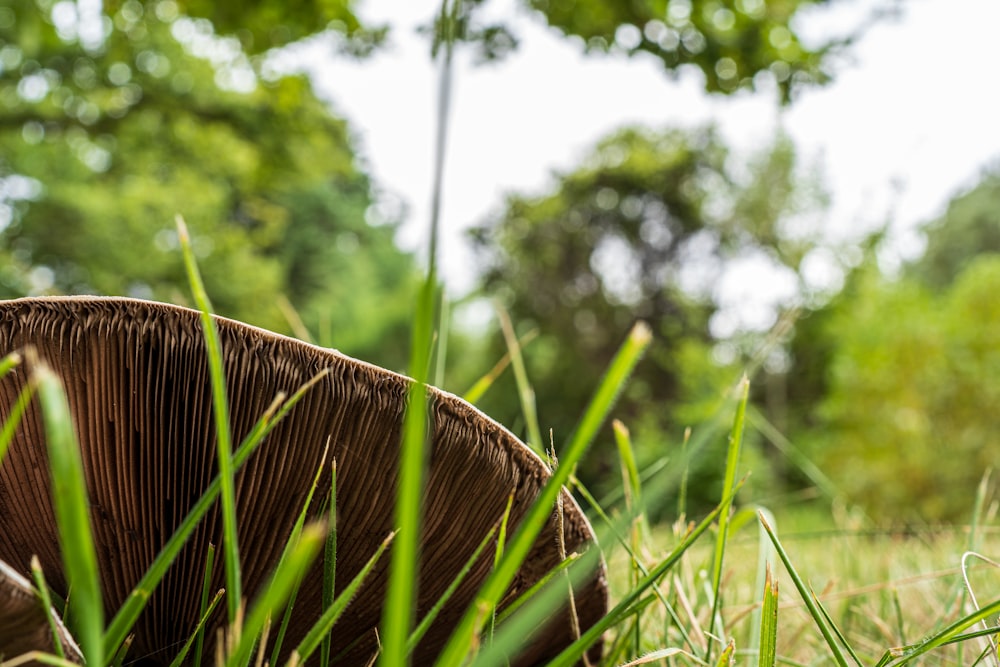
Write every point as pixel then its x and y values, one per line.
pixel 909 121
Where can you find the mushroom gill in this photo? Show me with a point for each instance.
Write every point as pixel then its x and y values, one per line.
pixel 136 376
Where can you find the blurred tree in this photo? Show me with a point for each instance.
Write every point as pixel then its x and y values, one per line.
pixel 908 415
pixel 970 227
pixel 641 231
pixel 736 44
pixel 104 139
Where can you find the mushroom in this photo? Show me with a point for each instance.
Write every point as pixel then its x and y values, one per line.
pixel 136 376
pixel 24 623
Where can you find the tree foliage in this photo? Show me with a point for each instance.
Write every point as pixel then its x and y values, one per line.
pixel 104 141
pixel 970 226
pixel 735 44
pixel 908 415
pixel 641 231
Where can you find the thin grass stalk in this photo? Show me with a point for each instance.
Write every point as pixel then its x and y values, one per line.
pixel 285 579
pixel 633 503
pixel 206 587
pixel 399 610
pixel 493 588
pixel 765 559
pixel 220 410
pixel 476 391
pixel 432 614
pixel 46 600
pixel 69 495
pixel 498 555
pixel 525 393
pixel 732 465
pixel 198 635
pixel 290 544
pixel 329 563
pixel 325 622
pixel 10 424
pixel 806 596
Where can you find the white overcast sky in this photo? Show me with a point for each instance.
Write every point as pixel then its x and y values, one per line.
pixel 910 119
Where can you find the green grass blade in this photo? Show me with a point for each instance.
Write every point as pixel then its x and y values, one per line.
pixel 14 419
pixel 806 596
pixel 286 577
pixel 432 614
pixel 399 609
pixel 325 623
pixel 220 410
pixel 206 586
pixel 329 564
pixel 495 585
pixel 46 599
pixel 290 545
pixel 208 606
pixel 72 509
pixel 767 655
pixel 732 465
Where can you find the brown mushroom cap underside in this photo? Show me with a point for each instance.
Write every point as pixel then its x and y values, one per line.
pixel 24 623
pixel 137 380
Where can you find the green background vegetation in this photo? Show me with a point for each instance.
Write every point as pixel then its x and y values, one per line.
pixel 886 386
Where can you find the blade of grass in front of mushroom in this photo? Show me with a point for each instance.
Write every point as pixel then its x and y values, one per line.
pixel 633 503
pixel 290 544
pixel 14 418
pixel 46 600
pixel 433 612
pixel 129 612
pixel 732 464
pixel 399 610
pixel 207 607
pixel 329 564
pixel 321 628
pixel 206 588
pixel 69 494
pixel 287 575
pixel 220 411
pixel 531 525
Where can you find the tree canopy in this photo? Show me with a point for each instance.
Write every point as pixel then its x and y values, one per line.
pixel 641 230
pixel 735 44
pixel 105 141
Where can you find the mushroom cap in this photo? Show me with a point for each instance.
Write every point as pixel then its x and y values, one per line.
pixel 137 380
pixel 24 624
